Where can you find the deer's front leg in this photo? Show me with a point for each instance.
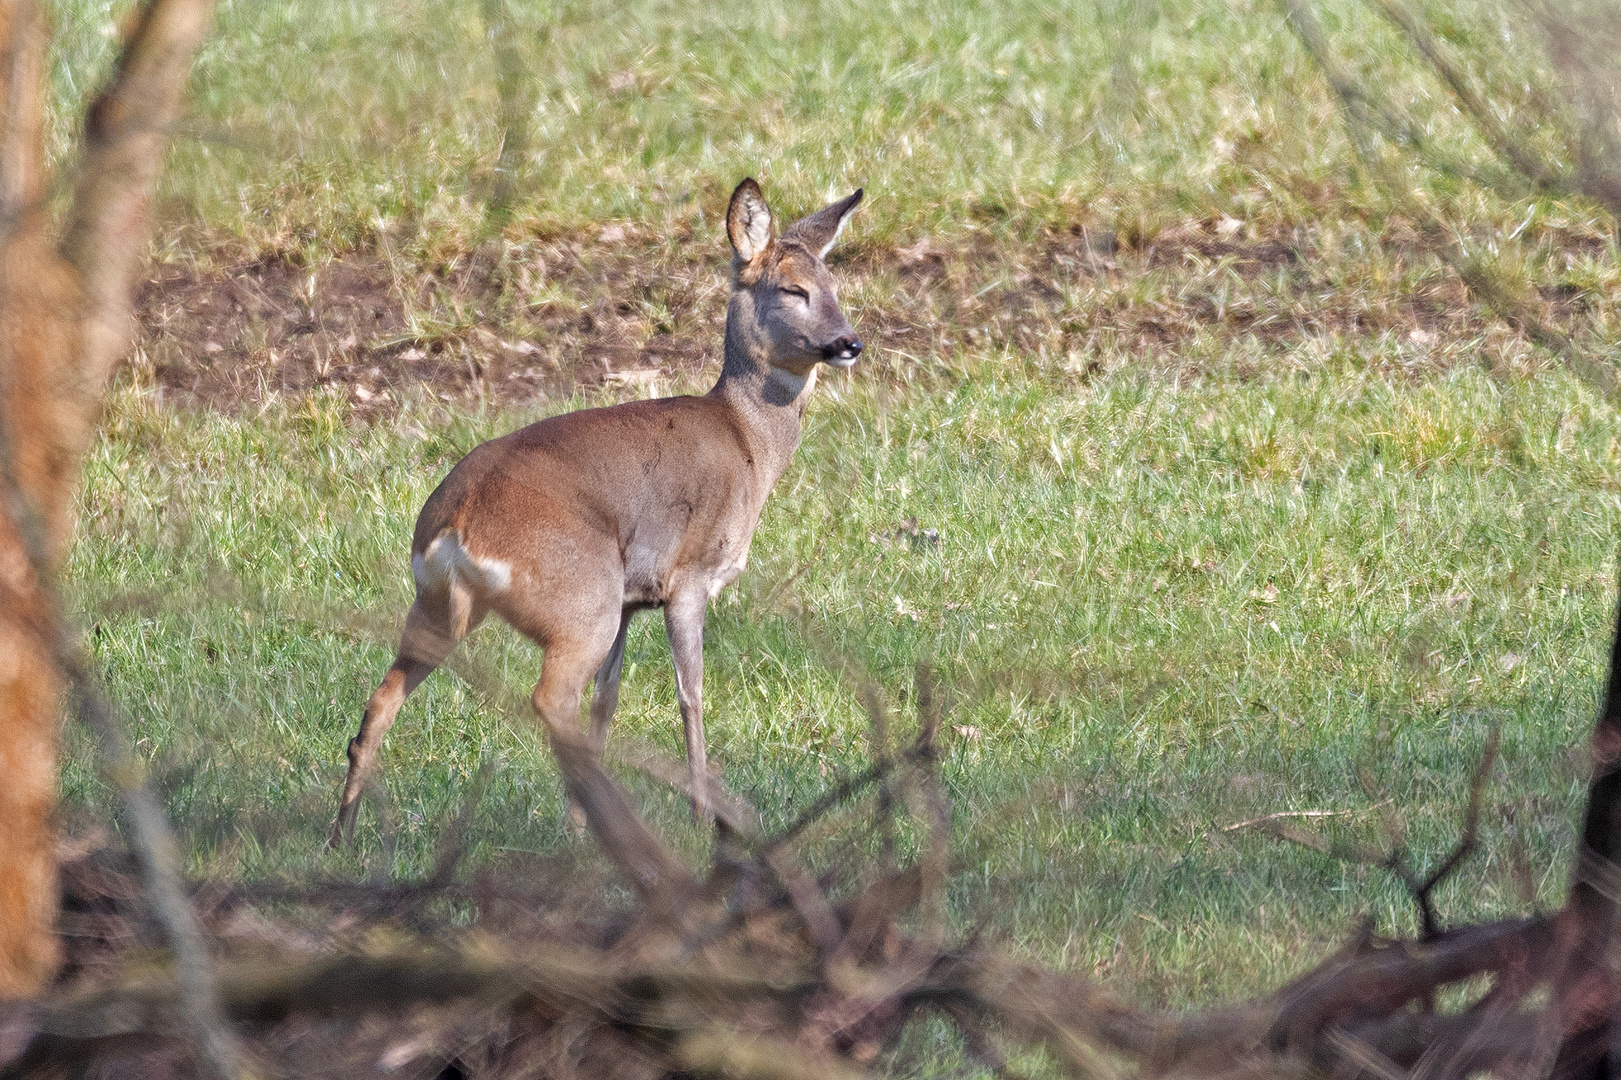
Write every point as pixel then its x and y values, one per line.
pixel 684 625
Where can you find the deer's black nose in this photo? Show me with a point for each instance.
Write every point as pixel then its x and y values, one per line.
pixel 845 348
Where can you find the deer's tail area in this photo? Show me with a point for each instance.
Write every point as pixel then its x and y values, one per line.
pixel 449 577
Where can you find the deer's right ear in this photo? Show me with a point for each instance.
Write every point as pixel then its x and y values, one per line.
pixel 748 221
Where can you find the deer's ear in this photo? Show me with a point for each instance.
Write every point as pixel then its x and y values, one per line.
pixel 819 230
pixel 748 221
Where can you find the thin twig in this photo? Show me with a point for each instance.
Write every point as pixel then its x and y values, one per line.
pixel 839 793
pixel 644 859
pixel 1281 814
pixel 872 699
pixel 1471 833
pixel 453 841
pixel 1542 174
pixel 936 815
pixel 743 823
pixel 1368 1059
pixel 158 858
pixel 1365 112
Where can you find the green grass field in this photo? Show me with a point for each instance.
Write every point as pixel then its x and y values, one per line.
pixel 1220 534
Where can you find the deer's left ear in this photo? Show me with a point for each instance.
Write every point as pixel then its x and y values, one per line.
pixel 819 230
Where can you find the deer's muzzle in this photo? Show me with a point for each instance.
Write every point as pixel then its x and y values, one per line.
pixel 843 352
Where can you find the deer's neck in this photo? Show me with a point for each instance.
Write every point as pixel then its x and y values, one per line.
pixel 769 402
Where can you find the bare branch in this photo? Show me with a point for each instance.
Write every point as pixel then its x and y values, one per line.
pixel 730 978
pixel 981 1047
pixel 749 1057
pixel 1601 827
pixel 932 809
pixel 23 39
pixel 872 699
pixel 1594 901
pixel 65 315
pixel 1489 289
pixel 1395 859
pixel 1352 853
pixel 38 294
pixel 829 800
pixel 729 810
pixel 1365 112
pixel 28 900
pixel 1471 833
pixel 1283 815
pixel 1582 48
pixel 644 860
pixel 1543 175
pixel 125 137
pixel 743 822
pixel 1366 1058
pixel 158 857
pixel 453 841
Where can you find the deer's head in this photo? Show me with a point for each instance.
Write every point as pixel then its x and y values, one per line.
pixel 785 307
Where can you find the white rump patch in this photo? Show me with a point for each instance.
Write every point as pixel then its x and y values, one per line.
pixel 447 558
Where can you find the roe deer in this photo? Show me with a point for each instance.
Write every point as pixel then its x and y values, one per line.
pixel 570 526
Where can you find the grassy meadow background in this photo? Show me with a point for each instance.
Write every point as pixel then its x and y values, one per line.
pixel 1181 455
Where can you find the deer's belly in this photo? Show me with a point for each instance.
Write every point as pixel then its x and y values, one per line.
pixel 650 581
pixel 725 575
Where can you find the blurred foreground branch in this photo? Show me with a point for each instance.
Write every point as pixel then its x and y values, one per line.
pixel 754 969
pixel 1394 857
pixel 1580 113
pixel 158 860
pixel 516 97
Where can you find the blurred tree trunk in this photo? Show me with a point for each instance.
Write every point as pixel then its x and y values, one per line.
pixel 66 319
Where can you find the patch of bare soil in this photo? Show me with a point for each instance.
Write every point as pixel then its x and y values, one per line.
pixel 515 321
pixel 499 326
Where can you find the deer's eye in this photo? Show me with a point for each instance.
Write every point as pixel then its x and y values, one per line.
pixel 795 290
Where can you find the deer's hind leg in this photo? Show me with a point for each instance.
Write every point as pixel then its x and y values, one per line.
pixel 432 630
pixel 605 687
pixel 584 641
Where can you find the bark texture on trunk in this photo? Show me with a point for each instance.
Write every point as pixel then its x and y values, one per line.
pixel 28 766
pixel 65 322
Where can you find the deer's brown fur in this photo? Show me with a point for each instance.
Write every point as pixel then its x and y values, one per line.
pixel 570 526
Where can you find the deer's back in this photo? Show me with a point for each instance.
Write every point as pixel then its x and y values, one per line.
pixel 666 482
